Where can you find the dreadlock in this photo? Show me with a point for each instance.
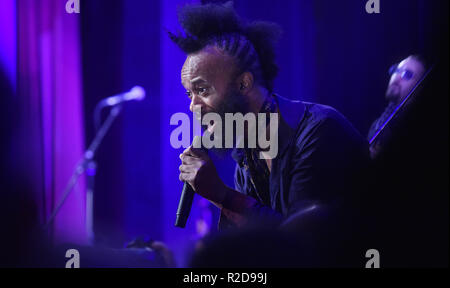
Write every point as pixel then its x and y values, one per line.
pixel 251 44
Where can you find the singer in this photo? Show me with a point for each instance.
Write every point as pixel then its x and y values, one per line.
pixel 230 68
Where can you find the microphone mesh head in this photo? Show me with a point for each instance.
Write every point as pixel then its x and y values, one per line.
pixel 137 93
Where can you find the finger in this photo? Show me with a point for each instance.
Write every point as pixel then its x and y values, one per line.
pixel 189 152
pixel 186 150
pixel 186 168
pixel 186 159
pixel 185 177
pixel 192 151
pixel 198 152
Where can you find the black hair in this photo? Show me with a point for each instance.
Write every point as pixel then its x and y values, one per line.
pixel 252 44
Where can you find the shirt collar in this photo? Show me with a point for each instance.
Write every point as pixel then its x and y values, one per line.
pixel 292 113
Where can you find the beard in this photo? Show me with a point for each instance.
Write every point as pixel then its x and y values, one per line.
pixel 234 102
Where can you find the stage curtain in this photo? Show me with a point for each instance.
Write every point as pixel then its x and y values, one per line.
pixel 50 129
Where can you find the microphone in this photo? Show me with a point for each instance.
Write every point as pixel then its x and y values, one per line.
pixel 187 197
pixel 136 93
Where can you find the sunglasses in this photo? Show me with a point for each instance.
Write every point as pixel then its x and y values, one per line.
pixel 404 73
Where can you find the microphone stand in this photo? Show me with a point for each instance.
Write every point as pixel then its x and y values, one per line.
pixel 91 170
pixel 87 163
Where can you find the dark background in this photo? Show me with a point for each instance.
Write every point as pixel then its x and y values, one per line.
pixel 332 52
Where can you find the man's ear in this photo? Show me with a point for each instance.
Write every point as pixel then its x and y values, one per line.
pixel 246 82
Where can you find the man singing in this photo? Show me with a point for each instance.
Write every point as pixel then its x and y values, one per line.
pixel 230 68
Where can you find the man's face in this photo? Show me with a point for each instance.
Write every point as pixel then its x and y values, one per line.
pixel 404 78
pixel 210 81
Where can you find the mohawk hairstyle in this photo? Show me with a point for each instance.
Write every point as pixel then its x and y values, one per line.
pixel 251 44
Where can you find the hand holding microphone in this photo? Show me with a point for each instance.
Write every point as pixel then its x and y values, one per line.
pixel 200 175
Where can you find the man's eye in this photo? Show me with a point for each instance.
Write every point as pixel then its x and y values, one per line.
pixel 202 90
pixel 188 93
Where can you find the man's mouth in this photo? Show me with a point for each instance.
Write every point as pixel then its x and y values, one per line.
pixel 394 90
pixel 395 87
pixel 210 128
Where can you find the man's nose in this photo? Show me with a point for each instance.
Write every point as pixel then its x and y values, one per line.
pixel 396 78
pixel 196 103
